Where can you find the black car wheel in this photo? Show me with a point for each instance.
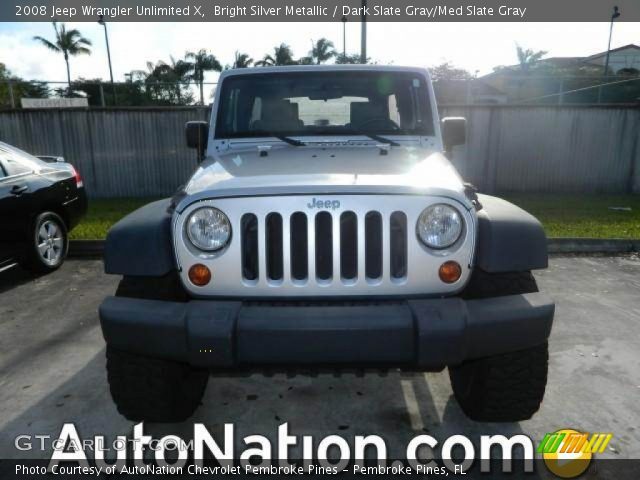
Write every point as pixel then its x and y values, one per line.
pixel 49 243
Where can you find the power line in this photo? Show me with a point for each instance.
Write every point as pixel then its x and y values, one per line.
pixel 581 89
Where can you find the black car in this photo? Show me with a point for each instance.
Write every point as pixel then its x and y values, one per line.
pixel 40 203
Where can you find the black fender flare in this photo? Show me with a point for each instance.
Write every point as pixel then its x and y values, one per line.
pixel 141 243
pixel 509 239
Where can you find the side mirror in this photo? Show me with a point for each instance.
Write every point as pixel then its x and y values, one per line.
pixel 454 132
pixel 197 134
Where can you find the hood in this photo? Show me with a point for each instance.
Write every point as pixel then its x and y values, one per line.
pixel 319 170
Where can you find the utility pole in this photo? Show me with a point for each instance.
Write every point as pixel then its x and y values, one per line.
pixel 614 15
pixel 12 99
pixel 344 36
pixel 106 39
pixel 363 38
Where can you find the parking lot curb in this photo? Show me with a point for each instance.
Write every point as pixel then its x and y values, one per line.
pixel 95 248
pixel 86 248
pixel 592 245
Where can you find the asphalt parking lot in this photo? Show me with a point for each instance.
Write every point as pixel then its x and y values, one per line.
pixel 52 370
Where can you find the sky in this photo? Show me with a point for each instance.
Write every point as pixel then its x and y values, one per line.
pixel 477 47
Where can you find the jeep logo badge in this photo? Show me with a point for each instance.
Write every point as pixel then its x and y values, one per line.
pixel 324 204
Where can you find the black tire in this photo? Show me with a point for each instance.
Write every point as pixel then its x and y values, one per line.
pixel 502 388
pixel 508 387
pixel 154 390
pixel 56 250
pixel 487 285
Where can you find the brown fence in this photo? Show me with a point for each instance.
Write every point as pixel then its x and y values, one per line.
pixel 142 152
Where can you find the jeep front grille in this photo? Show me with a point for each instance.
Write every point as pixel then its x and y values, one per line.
pixel 325 246
pixel 292 246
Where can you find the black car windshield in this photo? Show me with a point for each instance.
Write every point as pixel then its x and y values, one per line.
pixel 324 103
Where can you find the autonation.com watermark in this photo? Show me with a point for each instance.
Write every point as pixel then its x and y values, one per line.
pixel 204 454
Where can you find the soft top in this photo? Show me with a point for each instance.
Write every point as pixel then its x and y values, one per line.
pixel 321 68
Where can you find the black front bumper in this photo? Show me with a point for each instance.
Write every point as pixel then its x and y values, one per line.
pixel 426 334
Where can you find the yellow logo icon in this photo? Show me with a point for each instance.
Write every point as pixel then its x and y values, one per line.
pixel 567 453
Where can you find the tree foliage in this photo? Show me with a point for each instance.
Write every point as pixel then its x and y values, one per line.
pixel 20 88
pixel 528 57
pixel 447 71
pixel 68 42
pixel 282 55
pixel 349 59
pixel 322 51
pixel 242 60
pixel 202 61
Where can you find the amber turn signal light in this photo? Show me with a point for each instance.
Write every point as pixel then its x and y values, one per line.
pixel 450 272
pixel 199 275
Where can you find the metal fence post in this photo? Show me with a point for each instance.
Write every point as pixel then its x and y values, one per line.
pixel 561 96
pixel 11 97
pixel 101 95
pixel 600 93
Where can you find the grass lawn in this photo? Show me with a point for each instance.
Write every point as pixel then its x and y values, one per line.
pixel 579 215
pixel 102 214
pixel 562 215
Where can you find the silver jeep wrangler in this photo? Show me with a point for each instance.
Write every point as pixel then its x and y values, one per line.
pixel 325 228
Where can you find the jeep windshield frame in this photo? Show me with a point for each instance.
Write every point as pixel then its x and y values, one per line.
pixel 334 103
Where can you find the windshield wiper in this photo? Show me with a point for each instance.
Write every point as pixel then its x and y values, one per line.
pixel 377 138
pixel 290 141
pixel 283 138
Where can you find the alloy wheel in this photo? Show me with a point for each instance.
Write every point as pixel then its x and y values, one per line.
pixel 50 242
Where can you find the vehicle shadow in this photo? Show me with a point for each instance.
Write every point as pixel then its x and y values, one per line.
pixel 396 407
pixel 16 276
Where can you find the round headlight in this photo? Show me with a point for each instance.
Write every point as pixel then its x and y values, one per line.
pixel 439 226
pixel 208 229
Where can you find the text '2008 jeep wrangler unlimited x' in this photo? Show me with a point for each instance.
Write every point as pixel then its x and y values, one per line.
pixel 325 228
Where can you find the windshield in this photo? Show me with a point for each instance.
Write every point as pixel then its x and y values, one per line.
pixel 324 103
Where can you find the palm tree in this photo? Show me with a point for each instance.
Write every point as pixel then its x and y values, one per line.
pixel 164 81
pixel 67 42
pixel 202 62
pixel 179 72
pixel 266 61
pixel 527 57
pixel 242 60
pixel 322 50
pixel 282 55
pixel 149 73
